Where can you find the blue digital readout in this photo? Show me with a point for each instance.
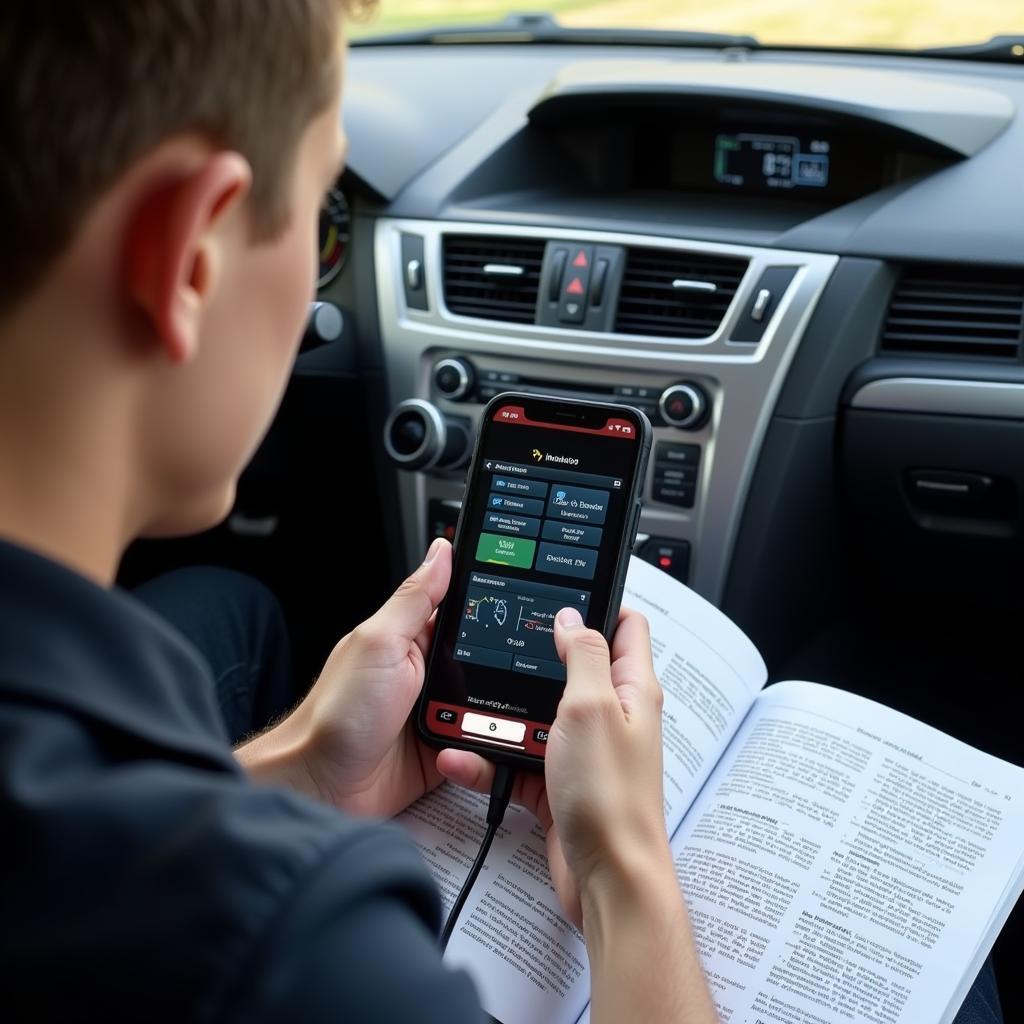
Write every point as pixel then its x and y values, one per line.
pixel 770 161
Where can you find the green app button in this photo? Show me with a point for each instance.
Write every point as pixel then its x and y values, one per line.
pixel 517 551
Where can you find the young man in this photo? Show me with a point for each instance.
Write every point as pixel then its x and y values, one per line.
pixel 162 169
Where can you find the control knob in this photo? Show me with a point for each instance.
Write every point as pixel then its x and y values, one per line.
pixel 417 435
pixel 684 405
pixel 454 378
pixel 326 323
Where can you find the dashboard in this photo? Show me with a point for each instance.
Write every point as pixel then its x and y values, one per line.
pixel 806 268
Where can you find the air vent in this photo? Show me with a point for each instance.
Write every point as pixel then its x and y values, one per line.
pixel 493 278
pixel 676 294
pixel 953 311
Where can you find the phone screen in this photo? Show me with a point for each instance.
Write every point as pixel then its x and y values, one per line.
pixel 551 498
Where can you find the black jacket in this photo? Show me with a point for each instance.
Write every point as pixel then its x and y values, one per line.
pixel 143 877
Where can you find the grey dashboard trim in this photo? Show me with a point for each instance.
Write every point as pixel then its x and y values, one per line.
pixel 991 399
pixel 743 381
pixel 448 109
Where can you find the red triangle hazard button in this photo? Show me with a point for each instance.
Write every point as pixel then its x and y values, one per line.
pixel 580 260
pixel 575 287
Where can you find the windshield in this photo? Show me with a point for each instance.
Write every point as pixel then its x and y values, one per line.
pixel 901 24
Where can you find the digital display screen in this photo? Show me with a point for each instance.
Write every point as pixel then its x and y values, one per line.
pixel 753 161
pixel 543 529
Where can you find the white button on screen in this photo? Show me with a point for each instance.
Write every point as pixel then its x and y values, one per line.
pixel 494 728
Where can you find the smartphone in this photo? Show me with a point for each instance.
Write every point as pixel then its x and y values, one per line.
pixel 548 520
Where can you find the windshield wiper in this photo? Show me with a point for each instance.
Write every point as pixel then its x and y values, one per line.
pixel 543 28
pixel 998 48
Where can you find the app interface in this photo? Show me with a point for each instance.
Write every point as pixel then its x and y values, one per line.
pixel 542 531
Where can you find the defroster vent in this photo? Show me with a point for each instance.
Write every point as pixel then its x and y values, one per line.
pixel 957 311
pixel 676 294
pixel 492 278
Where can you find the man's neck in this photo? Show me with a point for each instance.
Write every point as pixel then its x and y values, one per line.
pixel 65 460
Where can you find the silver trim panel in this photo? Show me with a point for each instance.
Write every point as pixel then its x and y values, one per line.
pixel 742 381
pixel 990 399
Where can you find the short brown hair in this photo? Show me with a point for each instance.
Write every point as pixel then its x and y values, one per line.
pixel 88 86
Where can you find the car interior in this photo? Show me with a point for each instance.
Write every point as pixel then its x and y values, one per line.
pixel 805 264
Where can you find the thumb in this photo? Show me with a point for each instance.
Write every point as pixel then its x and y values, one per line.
pixel 586 657
pixel 409 608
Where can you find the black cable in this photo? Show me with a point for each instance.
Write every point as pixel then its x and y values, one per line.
pixel 501 792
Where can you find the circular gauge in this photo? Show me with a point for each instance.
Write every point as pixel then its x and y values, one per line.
pixel 335 219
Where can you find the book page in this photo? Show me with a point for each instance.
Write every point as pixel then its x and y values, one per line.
pixel 710 673
pixel 528 962
pixel 846 863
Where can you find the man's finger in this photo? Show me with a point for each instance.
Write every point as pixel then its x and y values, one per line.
pixel 631 650
pixel 425 637
pixel 465 769
pixel 633 676
pixel 586 657
pixel 408 610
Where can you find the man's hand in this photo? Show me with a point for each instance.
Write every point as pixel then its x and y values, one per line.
pixel 602 782
pixel 351 742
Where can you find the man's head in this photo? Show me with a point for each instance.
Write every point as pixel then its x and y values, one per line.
pixel 162 168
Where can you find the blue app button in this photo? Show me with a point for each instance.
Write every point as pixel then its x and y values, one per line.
pixel 578 504
pixel 570 533
pixel 511 503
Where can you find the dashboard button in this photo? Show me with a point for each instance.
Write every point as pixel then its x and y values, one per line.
pixel 680 454
pixel 684 405
pixel 575 286
pixel 672 473
pixel 682 495
pixel 493 728
pixel 671 556
pixel 600 277
pixel 557 271
pixel 454 378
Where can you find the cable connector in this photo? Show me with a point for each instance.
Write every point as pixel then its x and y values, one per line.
pixel 501 793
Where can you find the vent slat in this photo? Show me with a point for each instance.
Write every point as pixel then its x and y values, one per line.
pixel 956 311
pixel 648 304
pixel 672 302
pixel 468 291
pixel 897 325
pixel 945 301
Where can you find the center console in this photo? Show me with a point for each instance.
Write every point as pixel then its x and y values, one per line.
pixel 699 336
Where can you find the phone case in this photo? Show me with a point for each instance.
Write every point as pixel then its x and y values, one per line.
pixel 529 761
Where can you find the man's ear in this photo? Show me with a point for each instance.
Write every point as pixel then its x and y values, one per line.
pixel 175 246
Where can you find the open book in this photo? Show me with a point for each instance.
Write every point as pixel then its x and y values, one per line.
pixel 841 861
